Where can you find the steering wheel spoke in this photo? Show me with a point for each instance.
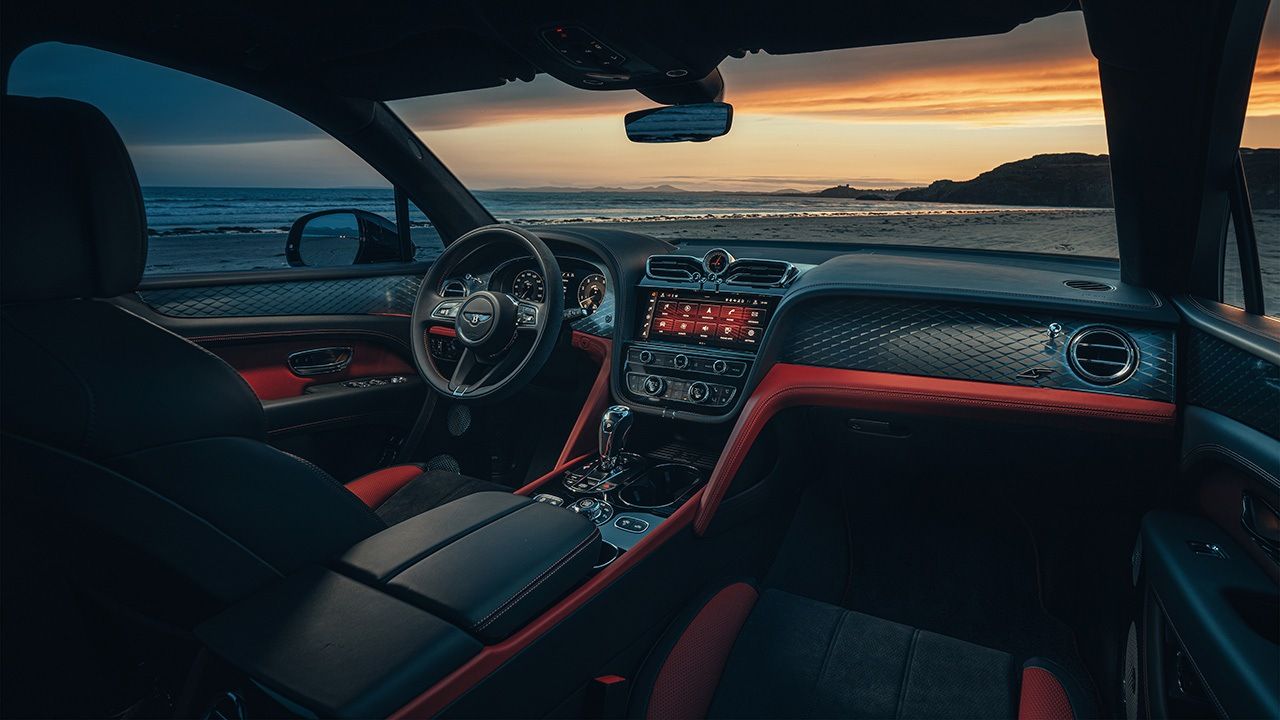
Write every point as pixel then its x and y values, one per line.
pixel 530 316
pixel 466 364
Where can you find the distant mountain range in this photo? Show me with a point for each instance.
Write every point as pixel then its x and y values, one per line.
pixel 1060 180
pixel 597 189
pixel 1050 180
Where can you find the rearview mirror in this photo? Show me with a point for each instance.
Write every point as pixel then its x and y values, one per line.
pixel 679 123
pixel 331 238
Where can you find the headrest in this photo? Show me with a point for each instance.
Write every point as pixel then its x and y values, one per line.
pixel 72 222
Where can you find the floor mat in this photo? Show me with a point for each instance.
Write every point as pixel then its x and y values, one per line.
pixel 929 556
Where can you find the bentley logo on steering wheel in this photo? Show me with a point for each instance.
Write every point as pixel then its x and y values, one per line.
pixel 477 319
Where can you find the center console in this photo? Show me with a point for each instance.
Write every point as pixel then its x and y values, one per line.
pixel 700 322
pixel 627 495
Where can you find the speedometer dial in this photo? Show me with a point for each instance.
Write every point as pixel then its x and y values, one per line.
pixel 591 292
pixel 528 286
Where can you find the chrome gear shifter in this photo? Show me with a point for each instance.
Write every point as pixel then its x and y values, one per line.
pixel 615 423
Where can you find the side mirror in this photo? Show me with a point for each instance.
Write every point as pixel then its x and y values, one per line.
pixel 332 238
pixel 697 122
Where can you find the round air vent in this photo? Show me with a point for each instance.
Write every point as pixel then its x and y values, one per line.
pixel 1102 355
pixel 1090 285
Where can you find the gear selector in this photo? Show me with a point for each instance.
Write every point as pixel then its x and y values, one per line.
pixel 615 423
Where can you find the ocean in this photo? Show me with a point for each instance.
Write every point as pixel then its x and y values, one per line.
pixel 187 210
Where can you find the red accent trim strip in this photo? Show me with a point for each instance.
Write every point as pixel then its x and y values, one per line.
pixel 687 680
pixel 1043 697
pixel 444 330
pixel 264 365
pixel 375 487
pixel 559 469
pixel 581 439
pixel 438 697
pixel 788 385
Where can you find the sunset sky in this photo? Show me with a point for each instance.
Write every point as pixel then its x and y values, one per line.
pixel 873 117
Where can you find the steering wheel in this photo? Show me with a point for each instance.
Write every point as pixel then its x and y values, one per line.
pixel 505 341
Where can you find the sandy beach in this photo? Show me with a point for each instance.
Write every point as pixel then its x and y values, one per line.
pixel 1071 232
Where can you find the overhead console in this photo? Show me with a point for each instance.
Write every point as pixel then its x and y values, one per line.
pixel 699 324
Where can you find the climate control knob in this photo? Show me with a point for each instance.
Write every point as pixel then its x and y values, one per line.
pixel 720 367
pixel 699 392
pixel 681 361
pixel 654 386
pixel 646 357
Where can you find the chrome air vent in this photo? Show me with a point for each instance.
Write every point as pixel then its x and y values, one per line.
pixel 453 289
pixel 1089 285
pixel 1102 355
pixel 673 267
pixel 760 273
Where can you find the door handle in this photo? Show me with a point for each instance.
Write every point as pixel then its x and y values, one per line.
pixel 1262 523
pixel 320 361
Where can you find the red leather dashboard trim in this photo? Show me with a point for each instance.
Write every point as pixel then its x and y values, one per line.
pixel 438 697
pixel 788 385
pixel 264 363
pixel 581 439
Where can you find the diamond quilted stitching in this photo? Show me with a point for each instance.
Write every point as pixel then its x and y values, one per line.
pixel 961 342
pixel 1228 380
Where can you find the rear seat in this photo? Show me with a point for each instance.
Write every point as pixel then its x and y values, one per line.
pixel 741 653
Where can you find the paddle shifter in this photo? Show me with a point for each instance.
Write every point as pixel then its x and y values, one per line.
pixel 615 423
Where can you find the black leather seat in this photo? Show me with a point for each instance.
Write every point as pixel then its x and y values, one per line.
pixel 744 653
pixel 100 403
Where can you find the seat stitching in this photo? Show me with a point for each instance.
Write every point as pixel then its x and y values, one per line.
pixel 906 674
pixel 537 581
pixel 826 657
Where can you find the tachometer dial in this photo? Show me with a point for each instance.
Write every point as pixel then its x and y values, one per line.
pixel 591 292
pixel 528 286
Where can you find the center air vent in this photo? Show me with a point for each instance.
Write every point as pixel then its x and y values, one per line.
pixel 673 267
pixel 760 273
pixel 1102 355
pixel 1089 285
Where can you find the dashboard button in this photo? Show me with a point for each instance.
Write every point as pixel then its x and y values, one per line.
pixel 720 367
pixel 706 330
pixel 749 334
pixel 727 332
pixel 698 392
pixel 709 311
pixel 646 357
pixel 681 361
pixel 631 524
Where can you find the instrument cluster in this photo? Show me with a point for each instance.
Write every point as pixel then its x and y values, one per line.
pixel 585 286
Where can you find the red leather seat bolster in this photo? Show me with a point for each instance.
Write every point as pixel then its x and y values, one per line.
pixel 377 486
pixel 1043 696
pixel 691 671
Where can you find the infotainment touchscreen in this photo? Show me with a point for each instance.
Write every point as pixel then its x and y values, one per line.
pixel 712 319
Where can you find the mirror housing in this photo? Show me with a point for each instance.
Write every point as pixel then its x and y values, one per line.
pixel 333 238
pixel 698 122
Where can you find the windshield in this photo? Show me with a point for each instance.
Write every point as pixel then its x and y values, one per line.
pixel 991 142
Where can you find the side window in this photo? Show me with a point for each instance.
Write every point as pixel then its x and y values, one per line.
pixel 231 182
pixel 1262 175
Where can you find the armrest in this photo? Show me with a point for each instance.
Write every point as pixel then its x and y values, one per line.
pixel 488 563
pixel 335 647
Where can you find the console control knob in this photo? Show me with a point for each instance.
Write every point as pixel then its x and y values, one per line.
pixel 720 367
pixel 699 392
pixel 681 361
pixel 590 508
pixel 646 357
pixel 654 385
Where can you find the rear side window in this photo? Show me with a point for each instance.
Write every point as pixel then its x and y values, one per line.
pixel 225 174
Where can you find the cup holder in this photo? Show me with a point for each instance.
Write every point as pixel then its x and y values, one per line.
pixel 660 486
pixel 608 553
